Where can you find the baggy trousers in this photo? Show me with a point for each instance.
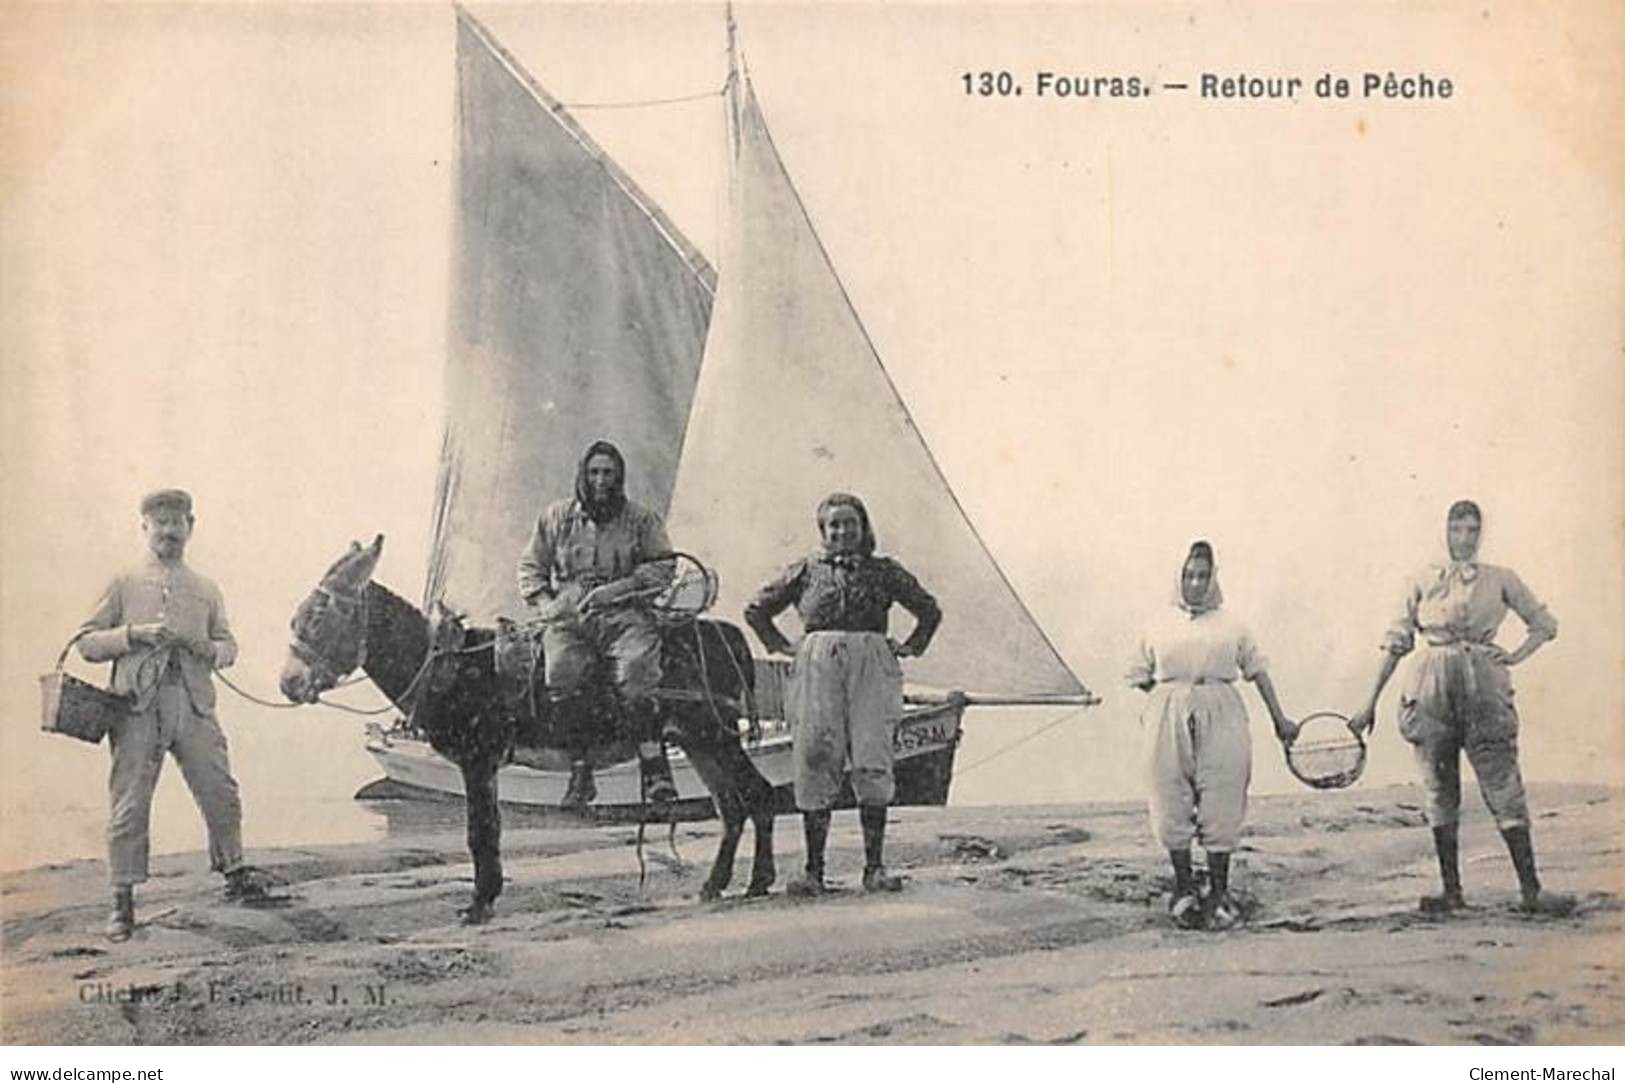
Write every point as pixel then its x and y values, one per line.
pixel 170 724
pixel 844 699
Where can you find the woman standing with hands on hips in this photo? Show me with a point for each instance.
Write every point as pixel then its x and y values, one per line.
pixel 1198 749
pixel 1458 699
pixel 846 688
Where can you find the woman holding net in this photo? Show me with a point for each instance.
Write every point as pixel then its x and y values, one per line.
pixel 1198 749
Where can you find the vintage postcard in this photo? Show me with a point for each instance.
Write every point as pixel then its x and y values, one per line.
pixel 961 524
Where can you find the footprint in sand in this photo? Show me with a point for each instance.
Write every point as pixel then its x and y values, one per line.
pixel 970 848
pixel 1225 1026
pixel 439 964
pixel 1065 1039
pixel 581 898
pixel 316 926
pixel 909 1027
pixel 414 884
pixel 1068 833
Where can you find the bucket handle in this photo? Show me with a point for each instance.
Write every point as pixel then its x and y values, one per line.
pixel 62 659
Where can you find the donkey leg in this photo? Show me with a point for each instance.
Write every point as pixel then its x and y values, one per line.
pixel 484 838
pixel 762 873
pixel 756 799
pixel 722 868
pixel 702 756
pixel 699 744
pixel 740 792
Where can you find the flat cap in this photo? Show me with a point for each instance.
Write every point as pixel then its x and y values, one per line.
pixel 178 499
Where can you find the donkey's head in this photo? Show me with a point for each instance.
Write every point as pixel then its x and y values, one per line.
pixel 330 626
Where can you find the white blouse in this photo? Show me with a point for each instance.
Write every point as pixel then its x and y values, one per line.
pixel 1211 647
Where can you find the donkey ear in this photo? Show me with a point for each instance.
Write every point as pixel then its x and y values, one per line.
pixel 377 545
pixel 355 547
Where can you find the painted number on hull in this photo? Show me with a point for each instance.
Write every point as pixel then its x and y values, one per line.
pixel 915 736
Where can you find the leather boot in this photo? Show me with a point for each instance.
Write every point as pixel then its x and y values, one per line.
pixel 658 787
pixel 642 720
pixel 815 827
pixel 875 875
pixel 571 711
pixel 249 885
pixel 583 788
pixel 121 922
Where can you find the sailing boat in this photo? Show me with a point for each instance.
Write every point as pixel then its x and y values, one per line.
pixel 580 311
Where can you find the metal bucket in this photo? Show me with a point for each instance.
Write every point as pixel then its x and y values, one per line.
pixel 77 708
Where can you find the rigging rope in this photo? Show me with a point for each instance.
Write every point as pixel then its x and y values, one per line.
pixel 1046 727
pixel 645 102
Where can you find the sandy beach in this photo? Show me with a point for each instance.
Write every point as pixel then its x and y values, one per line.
pixel 1017 925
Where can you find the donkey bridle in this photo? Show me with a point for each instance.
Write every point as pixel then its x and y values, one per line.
pixel 349 605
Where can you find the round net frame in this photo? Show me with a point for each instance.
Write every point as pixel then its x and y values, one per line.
pixel 1327 755
pixel 690 593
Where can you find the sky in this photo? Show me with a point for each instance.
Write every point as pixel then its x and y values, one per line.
pixel 1299 329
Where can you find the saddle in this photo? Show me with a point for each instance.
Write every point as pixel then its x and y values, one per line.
pixel 539 733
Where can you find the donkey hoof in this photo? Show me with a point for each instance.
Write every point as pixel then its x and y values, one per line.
pixel 710 893
pixel 758 888
pixel 475 914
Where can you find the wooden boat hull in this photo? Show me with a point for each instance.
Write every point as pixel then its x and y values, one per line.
pixel 926 740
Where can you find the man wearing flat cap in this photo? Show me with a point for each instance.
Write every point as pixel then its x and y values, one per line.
pixel 163 626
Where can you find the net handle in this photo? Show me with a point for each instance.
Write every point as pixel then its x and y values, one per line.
pixel 678 557
pixel 1341 779
pixel 1306 719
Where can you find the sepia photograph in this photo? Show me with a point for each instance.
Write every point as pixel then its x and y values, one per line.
pixel 813 524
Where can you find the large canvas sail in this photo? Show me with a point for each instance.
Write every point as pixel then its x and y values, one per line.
pixel 793 403
pixel 577 312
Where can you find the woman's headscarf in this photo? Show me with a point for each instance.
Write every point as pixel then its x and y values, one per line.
pixel 600 511
pixel 846 500
pixel 1465 570
pixel 1214 597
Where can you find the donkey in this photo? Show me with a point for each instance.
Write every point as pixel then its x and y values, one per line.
pixel 445 676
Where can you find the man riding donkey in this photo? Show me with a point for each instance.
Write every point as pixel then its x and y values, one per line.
pixel 590 557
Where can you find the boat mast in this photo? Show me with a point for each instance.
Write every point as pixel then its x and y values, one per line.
pixel 739 98
pixel 731 89
pixel 733 49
